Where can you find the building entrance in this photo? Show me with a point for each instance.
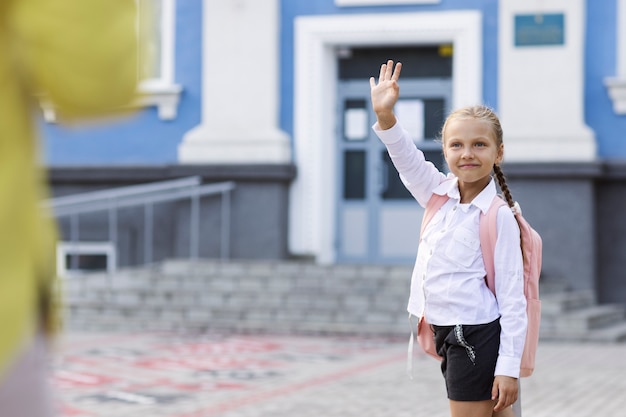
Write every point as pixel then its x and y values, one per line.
pixel 378 221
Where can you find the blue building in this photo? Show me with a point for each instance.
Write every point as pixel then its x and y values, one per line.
pixel 273 95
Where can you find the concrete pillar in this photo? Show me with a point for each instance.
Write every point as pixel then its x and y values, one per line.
pixel 240 95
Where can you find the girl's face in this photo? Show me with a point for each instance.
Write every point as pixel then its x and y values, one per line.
pixel 470 150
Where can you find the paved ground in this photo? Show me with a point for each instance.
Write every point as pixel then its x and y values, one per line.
pixel 166 375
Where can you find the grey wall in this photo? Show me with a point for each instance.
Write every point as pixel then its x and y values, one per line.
pixel 257 217
pixel 558 200
pixel 611 226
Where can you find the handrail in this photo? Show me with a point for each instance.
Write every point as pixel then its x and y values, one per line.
pixel 147 195
pixel 115 193
pixel 138 200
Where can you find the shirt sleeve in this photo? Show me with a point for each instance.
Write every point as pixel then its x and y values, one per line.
pixel 509 281
pixel 418 175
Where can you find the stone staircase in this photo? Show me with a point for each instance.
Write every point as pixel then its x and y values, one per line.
pixel 288 297
pixel 575 316
pixel 253 296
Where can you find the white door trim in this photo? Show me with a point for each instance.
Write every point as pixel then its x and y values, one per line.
pixel 312 197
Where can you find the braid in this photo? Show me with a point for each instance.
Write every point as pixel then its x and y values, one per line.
pixel 503 186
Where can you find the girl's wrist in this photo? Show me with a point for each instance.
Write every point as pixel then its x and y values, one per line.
pixel 386 120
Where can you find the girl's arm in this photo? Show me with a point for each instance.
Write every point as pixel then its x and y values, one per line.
pixel 509 282
pixel 419 176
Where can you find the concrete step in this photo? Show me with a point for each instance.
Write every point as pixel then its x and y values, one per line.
pixel 557 303
pixel 292 297
pixel 245 296
pixel 611 334
pixel 583 323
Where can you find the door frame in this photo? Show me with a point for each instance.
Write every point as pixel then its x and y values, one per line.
pixel 317 38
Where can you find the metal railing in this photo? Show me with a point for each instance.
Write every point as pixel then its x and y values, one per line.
pixel 147 195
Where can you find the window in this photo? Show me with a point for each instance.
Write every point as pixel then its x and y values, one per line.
pixel 155 29
pixel 156 26
pixel 74 258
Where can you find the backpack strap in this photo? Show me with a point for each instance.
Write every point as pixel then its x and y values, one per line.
pixel 434 204
pixel 488 234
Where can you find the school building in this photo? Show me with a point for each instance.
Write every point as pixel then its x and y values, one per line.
pixel 271 98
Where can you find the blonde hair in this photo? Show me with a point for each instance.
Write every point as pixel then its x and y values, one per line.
pixel 486 114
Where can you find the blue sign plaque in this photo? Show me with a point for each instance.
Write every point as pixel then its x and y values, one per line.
pixel 540 29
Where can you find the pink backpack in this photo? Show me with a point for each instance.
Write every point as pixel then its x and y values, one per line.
pixel 531 251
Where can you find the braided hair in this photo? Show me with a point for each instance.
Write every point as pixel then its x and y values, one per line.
pixel 486 114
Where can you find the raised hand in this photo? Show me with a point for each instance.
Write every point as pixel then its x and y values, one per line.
pixel 385 93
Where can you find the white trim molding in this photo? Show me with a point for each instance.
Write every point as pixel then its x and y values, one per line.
pixel 64 249
pixel 164 97
pixel 352 3
pixel 162 92
pixel 313 193
pixel 616 86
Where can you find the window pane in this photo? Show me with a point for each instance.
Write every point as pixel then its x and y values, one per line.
pixel 411 114
pixel 354 175
pixel 436 157
pixel 91 262
pixel 355 121
pixel 427 61
pixel 434 115
pixel 393 189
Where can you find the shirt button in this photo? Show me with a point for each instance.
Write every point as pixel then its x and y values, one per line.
pixel 454 208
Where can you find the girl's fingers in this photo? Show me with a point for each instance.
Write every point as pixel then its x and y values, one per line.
pixel 389 71
pixel 381 76
pixel 396 72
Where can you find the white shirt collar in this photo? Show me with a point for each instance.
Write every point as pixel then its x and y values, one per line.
pixel 482 200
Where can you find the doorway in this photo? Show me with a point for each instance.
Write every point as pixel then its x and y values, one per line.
pixel 378 221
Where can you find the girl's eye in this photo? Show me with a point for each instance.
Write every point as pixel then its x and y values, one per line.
pixel 480 144
pixel 455 145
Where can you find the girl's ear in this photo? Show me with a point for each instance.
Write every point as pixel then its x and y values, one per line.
pixel 500 154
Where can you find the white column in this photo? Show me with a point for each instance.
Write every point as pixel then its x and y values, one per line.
pixel 541 87
pixel 240 94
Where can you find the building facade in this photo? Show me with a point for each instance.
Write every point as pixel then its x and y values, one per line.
pixel 274 96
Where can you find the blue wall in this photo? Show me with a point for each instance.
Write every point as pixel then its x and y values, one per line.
pixel 142 138
pixel 145 139
pixel 291 9
pixel 601 62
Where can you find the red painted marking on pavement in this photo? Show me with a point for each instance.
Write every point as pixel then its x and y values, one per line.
pixel 215 363
pixel 67 411
pixel 227 347
pixel 218 409
pixel 67 379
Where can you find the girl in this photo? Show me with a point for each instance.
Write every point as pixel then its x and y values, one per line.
pixel 480 338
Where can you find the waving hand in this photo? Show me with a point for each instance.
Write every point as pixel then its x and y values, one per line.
pixel 385 93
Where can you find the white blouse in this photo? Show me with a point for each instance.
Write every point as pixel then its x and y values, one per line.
pixel 448 284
